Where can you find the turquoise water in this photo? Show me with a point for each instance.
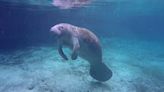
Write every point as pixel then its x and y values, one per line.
pixel 130 32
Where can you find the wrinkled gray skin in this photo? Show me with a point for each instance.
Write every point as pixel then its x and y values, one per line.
pixel 84 44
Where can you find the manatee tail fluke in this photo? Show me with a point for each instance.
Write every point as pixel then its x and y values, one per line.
pixel 100 72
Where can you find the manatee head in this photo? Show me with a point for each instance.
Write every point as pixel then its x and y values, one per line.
pixel 62 29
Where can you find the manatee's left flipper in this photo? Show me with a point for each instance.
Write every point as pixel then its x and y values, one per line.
pixel 76 46
pixel 62 53
pixel 60 50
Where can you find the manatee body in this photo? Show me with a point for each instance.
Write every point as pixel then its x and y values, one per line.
pixel 84 44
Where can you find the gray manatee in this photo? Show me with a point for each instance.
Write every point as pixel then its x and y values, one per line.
pixel 85 44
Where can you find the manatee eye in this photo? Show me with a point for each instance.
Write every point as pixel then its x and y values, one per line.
pixel 61 28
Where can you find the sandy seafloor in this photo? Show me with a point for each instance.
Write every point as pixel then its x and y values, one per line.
pixel 137 65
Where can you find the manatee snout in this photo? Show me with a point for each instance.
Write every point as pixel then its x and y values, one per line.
pixel 55 30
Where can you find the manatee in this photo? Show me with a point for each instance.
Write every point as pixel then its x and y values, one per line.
pixel 84 44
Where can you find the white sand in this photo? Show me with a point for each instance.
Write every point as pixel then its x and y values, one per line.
pixel 137 67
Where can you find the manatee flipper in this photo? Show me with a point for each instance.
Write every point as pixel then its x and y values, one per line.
pixel 100 72
pixel 76 46
pixel 60 50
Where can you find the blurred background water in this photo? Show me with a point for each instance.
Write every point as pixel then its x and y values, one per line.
pixel 27 23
